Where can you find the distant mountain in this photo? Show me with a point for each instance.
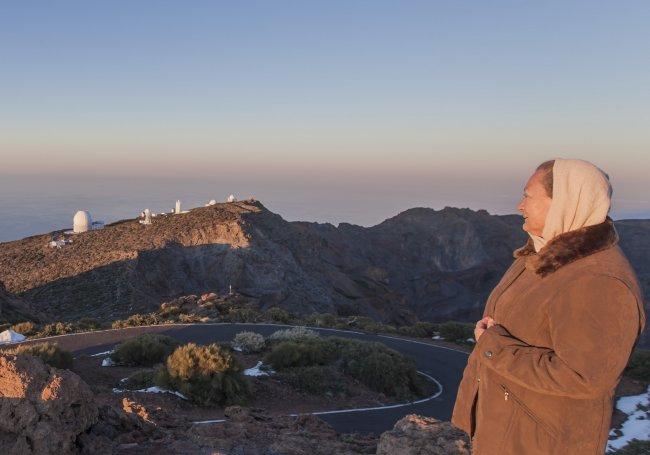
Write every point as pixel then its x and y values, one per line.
pixel 422 263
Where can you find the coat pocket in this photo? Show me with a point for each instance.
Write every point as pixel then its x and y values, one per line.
pixel 527 432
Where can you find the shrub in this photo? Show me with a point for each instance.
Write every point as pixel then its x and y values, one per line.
pixel 25 328
pixel 317 380
pixel 249 342
pixel 144 350
pixel 634 447
pixel 456 332
pixel 365 323
pixel 311 352
pixel 139 380
pixel 420 330
pixel 639 365
pixel 190 318
pixel 321 320
pixel 294 334
pixel 207 375
pixel 88 324
pixel 380 368
pixel 50 353
pixel 241 315
pixel 136 320
pixel 276 314
pixel 57 328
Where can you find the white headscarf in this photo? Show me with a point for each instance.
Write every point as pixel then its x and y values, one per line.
pixel 581 197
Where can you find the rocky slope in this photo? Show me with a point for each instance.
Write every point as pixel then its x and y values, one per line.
pixel 13 308
pixel 422 263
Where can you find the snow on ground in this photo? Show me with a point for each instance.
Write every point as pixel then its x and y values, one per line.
pixel 436 337
pixel 637 425
pixel 9 337
pixel 256 371
pixel 108 362
pixel 152 390
pixel 102 353
pixel 238 349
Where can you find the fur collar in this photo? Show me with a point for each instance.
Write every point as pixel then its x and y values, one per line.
pixel 568 247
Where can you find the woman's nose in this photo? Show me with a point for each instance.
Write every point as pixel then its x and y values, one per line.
pixel 520 206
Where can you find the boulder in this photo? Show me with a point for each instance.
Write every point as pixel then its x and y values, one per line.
pixel 42 409
pixel 418 435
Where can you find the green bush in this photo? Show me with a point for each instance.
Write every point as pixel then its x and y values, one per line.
pixel 190 318
pixel 294 334
pixel 634 447
pixel 365 323
pixel 321 320
pixel 309 352
pixel 639 365
pixel 50 353
pixel 419 330
pixel 144 350
pixel 278 315
pixel 207 375
pixel 136 320
pixel 87 324
pixel 316 380
pixel 139 380
pixel 242 315
pixel 456 332
pixel 57 328
pixel 380 368
pixel 249 342
pixel 25 328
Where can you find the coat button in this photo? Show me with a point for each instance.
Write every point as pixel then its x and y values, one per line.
pixel 488 354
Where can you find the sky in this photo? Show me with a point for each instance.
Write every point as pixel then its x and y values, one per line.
pixel 328 110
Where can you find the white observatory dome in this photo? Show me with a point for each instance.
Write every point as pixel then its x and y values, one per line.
pixel 82 222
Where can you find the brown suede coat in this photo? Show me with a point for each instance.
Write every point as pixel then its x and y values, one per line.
pixel 542 380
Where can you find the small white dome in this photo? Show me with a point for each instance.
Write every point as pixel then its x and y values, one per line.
pixel 82 221
pixel 232 198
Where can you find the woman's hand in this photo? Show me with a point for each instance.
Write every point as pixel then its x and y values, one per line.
pixel 482 326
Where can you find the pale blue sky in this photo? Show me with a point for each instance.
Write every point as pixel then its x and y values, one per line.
pixel 363 96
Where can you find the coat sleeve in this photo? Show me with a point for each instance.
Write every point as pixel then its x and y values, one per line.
pixel 594 323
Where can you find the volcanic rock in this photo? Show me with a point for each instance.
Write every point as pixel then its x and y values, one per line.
pixel 418 435
pixel 42 409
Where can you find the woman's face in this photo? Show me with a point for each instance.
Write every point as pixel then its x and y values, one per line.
pixel 534 205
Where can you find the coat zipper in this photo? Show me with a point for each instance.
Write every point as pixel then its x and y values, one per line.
pixel 507 394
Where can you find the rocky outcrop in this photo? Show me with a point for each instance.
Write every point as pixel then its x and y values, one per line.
pixel 42 409
pixel 418 435
pixel 254 432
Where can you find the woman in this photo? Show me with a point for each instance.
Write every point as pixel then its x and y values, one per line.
pixel 558 329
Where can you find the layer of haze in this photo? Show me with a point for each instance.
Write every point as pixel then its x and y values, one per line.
pixel 325 111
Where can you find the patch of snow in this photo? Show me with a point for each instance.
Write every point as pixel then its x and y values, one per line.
pixel 9 337
pixel 471 340
pixel 152 390
pixel 637 425
pixel 102 353
pixel 108 362
pixel 256 371
pixel 437 337
pixel 237 348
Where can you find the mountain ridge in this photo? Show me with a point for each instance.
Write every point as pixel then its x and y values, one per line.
pixel 422 263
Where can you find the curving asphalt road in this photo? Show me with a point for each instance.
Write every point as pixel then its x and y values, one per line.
pixel 443 364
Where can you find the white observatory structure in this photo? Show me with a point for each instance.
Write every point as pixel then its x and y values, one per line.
pixel 82 222
pixel 231 198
